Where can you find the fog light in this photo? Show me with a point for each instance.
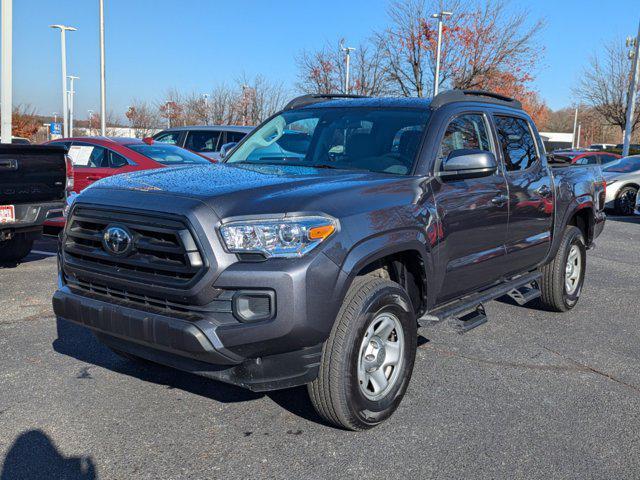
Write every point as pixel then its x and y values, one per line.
pixel 254 305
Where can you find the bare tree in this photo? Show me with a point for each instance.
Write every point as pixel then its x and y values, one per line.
pixel 143 118
pixel 323 70
pixel 171 108
pixel 605 83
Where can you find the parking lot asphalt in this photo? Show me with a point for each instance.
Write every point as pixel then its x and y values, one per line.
pixel 530 394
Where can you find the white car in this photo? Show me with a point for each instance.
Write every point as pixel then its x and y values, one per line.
pixel 623 182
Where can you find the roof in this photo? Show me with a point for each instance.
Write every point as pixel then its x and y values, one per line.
pixel 118 140
pixel 444 98
pixel 213 128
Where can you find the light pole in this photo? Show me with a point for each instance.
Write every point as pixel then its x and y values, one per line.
pixel 90 113
pixel 633 89
pixel 347 52
pixel 575 129
pixel 63 44
pixel 55 117
pixel 436 80
pixel 103 86
pixel 6 88
pixel 71 93
pixel 205 96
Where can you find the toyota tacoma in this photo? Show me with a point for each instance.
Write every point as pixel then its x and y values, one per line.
pixel 324 239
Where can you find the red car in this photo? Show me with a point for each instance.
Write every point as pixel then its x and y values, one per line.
pixel 580 157
pixel 94 158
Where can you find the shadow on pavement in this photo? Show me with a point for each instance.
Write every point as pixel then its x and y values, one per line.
pixel 630 219
pixel 34 456
pixel 78 342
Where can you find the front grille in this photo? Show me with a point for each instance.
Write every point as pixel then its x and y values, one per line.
pixel 164 250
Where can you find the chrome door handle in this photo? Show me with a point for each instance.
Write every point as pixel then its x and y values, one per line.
pixel 544 191
pixel 500 200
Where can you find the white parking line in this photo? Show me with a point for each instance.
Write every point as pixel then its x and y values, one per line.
pixel 48 254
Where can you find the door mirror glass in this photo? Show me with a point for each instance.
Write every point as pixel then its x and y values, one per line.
pixel 226 148
pixel 469 163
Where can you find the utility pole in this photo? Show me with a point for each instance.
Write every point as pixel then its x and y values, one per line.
pixel 6 88
pixel 633 90
pixel 436 80
pixel 71 94
pixel 575 129
pixel 103 87
pixel 63 44
pixel 347 51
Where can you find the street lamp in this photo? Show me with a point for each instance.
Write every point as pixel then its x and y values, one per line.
pixel 347 51
pixel 103 86
pixel 436 81
pixel 633 87
pixel 71 93
pixel 6 86
pixel 63 44
pixel 205 96
pixel 90 113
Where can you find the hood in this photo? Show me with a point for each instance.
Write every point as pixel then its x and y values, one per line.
pixel 234 190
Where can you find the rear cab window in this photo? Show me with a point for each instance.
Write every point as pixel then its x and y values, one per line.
pixel 516 142
pixel 203 141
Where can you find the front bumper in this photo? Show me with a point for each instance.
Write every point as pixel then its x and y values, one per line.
pixel 190 346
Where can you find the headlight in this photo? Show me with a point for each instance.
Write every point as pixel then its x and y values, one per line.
pixel 69 203
pixel 278 237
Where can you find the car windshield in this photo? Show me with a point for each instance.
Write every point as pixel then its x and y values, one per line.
pixel 353 138
pixel 623 165
pixel 169 155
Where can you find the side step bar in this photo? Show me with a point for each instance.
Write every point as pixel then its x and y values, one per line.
pixel 469 310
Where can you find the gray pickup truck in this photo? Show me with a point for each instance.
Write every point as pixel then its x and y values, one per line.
pixel 34 181
pixel 329 235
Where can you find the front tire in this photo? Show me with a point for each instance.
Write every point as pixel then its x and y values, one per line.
pixel 626 200
pixel 368 359
pixel 14 250
pixel 562 278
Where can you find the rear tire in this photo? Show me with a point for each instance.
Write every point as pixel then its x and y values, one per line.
pixel 368 359
pixel 626 200
pixel 14 250
pixel 562 278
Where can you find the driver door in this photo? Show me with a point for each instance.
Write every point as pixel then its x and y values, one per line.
pixel 474 212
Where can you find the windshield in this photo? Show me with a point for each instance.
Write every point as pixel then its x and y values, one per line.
pixel 169 155
pixel 378 140
pixel 624 165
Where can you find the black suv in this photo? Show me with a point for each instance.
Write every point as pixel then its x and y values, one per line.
pixel 330 233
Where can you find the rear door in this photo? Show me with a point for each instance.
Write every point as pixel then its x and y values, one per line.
pixel 473 212
pixel 90 163
pixel 531 201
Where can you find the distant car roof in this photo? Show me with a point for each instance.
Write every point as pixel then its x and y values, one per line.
pixel 213 128
pixel 118 140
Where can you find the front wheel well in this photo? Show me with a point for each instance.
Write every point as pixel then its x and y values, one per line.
pixel 583 219
pixel 405 268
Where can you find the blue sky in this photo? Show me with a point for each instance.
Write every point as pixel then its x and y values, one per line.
pixel 153 45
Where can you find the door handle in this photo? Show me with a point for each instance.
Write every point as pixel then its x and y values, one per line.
pixel 500 200
pixel 544 191
pixel 93 178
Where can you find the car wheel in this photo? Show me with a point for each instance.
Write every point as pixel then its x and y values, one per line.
pixel 562 279
pixel 626 200
pixel 14 250
pixel 368 359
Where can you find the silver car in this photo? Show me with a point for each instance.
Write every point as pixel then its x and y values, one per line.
pixel 205 140
pixel 623 182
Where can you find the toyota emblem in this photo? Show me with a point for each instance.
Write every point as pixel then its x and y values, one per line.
pixel 117 240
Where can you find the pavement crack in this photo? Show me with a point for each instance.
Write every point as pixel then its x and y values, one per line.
pixel 594 370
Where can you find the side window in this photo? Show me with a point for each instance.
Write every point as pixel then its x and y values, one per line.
pixel 466 132
pixel 607 159
pixel 516 142
pixel 234 136
pixel 581 161
pixel 169 137
pixel 204 141
pixel 117 161
pixel 88 156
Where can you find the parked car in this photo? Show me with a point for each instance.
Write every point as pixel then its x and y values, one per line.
pixel 274 270
pixel 95 158
pixel 206 140
pixel 34 181
pixel 20 141
pixel 579 157
pixel 623 182
pixel 597 147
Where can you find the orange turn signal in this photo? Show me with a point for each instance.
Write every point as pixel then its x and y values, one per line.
pixel 320 233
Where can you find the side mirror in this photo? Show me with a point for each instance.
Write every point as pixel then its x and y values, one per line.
pixel 464 163
pixel 226 148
